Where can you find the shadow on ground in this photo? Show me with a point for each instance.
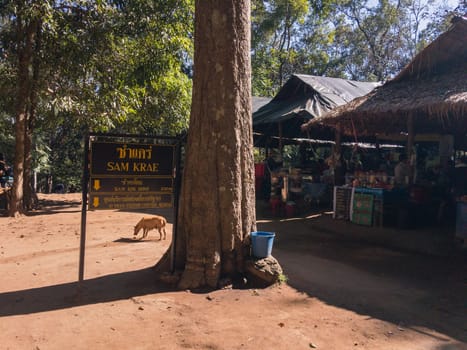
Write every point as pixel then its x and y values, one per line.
pixel 103 289
pixel 343 266
pixel 57 206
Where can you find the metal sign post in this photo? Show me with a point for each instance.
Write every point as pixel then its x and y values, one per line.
pixel 84 184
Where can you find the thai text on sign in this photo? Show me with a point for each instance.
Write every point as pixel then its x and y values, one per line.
pixel 131 159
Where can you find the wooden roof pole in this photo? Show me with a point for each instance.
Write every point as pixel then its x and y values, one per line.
pixel 339 176
pixel 280 137
pixel 410 147
pixel 338 137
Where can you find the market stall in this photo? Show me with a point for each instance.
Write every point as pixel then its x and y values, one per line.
pixel 294 183
pixel 425 109
pixel 291 185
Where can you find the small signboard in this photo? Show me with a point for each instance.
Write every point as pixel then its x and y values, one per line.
pixel 342 202
pixel 127 175
pixel 363 209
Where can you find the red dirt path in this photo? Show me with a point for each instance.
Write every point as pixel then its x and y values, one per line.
pixel 124 308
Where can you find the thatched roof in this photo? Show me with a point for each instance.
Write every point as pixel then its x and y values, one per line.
pixel 432 90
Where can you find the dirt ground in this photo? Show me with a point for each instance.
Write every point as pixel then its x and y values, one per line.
pixel 340 294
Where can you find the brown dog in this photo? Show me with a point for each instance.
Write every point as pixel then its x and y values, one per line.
pixel 151 223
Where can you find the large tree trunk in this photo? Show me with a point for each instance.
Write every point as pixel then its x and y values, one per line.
pixel 25 39
pixel 31 200
pixel 217 207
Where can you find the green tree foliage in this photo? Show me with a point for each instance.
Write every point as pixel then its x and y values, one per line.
pixel 439 21
pixel 356 39
pixel 274 24
pixel 122 66
pixel 115 66
pixel 7 141
pixel 377 47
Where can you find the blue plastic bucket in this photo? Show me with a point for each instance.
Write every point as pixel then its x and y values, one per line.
pixel 261 243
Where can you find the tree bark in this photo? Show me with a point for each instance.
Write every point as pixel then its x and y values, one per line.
pixel 217 204
pixel 25 38
pixel 30 199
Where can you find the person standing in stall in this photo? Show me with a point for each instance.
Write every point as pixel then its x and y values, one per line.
pixel 402 170
pixel 270 165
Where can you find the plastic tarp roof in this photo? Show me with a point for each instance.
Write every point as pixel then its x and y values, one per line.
pixel 304 97
pixel 258 102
